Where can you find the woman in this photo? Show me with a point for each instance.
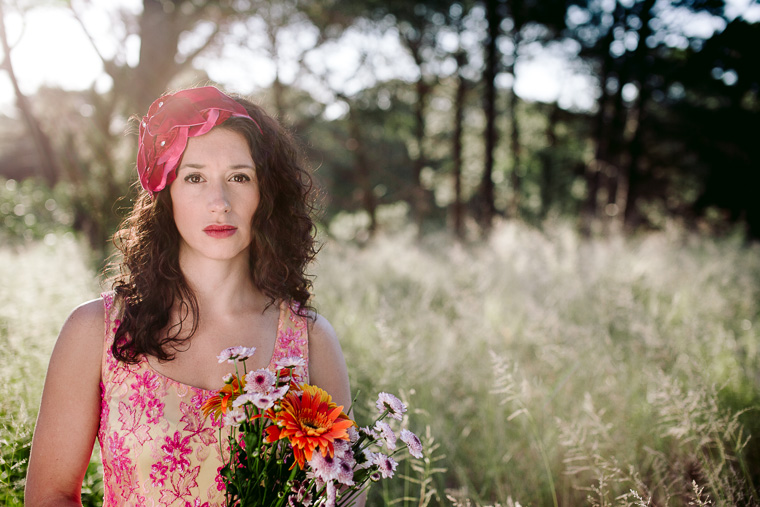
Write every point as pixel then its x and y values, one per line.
pixel 214 254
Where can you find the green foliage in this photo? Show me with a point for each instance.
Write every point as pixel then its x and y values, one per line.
pixel 30 210
pixel 41 284
pixel 605 371
pixel 545 364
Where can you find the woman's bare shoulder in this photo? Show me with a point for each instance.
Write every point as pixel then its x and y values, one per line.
pixel 84 328
pixel 89 316
pixel 70 409
pixel 321 331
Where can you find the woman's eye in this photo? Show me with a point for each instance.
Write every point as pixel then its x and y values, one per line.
pixel 193 178
pixel 240 178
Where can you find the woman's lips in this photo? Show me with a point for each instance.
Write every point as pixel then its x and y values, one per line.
pixel 220 231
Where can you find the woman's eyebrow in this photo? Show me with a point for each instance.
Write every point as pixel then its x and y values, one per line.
pixel 192 165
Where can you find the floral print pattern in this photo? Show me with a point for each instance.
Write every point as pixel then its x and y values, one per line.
pixel 156 446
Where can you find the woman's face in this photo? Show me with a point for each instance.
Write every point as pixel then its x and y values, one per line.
pixel 215 195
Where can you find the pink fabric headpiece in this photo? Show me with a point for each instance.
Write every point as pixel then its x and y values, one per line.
pixel 171 121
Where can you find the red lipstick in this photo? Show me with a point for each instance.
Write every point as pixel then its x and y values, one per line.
pixel 220 231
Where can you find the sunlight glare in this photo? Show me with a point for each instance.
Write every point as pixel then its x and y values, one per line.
pixel 52 50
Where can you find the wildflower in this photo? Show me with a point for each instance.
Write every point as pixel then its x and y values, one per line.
pixel 219 403
pixel 263 401
pixel 342 449
pixel 300 496
pixel 260 381
pixel 331 494
pixel 259 400
pixel 234 417
pixel 385 465
pixel 278 393
pixel 369 432
pixel 324 467
pixel 243 399
pixel 365 459
pixel 393 405
pixel 290 362
pixel 412 443
pixel 387 433
pixel 345 474
pixel 233 354
pixel 308 420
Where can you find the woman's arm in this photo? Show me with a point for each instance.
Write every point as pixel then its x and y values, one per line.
pixel 69 412
pixel 327 368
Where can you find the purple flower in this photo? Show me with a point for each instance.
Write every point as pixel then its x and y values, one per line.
pixel 260 381
pixel 233 354
pixel 387 433
pixel 290 362
pixel 385 465
pixel 412 443
pixel 393 405
pixel 324 467
pixel 234 417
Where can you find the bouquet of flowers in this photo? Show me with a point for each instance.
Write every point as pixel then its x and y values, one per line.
pixel 289 444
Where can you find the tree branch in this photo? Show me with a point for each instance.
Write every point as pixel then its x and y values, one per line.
pixel 49 169
pixel 109 66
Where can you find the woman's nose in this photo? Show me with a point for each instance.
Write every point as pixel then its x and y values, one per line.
pixel 218 200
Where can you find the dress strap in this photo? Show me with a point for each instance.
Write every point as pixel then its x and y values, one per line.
pixel 292 336
pixel 113 309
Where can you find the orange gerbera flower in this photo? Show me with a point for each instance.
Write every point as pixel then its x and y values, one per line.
pixel 309 421
pixel 222 400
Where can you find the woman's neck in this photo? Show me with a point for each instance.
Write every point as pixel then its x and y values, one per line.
pixel 222 287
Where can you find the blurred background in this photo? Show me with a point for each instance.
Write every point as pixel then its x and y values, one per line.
pixel 540 213
pixel 445 114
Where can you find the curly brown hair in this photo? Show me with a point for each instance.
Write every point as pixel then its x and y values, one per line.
pixel 149 280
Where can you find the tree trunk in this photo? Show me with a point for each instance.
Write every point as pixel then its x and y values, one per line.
pixel 487 206
pixel 547 166
pixel 159 36
pixel 49 168
pixel 363 170
pixel 459 103
pixel 598 169
pixel 634 171
pixel 514 139
pixel 420 198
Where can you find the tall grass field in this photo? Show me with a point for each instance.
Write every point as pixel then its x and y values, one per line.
pixel 540 368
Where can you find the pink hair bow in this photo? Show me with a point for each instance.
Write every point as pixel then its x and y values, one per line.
pixel 171 121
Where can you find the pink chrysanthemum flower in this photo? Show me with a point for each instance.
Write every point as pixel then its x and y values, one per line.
pixel 324 467
pixel 412 443
pixel 263 401
pixel 243 399
pixel 290 362
pixel 234 418
pixel 233 354
pixel 342 450
pixel 279 392
pixel 300 496
pixel 394 406
pixel 369 432
pixel 366 458
pixel 353 434
pixel 345 473
pixel 387 433
pixel 259 381
pixel 385 465
pixel 331 494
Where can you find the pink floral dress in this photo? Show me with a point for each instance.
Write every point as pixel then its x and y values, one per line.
pixel 156 446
